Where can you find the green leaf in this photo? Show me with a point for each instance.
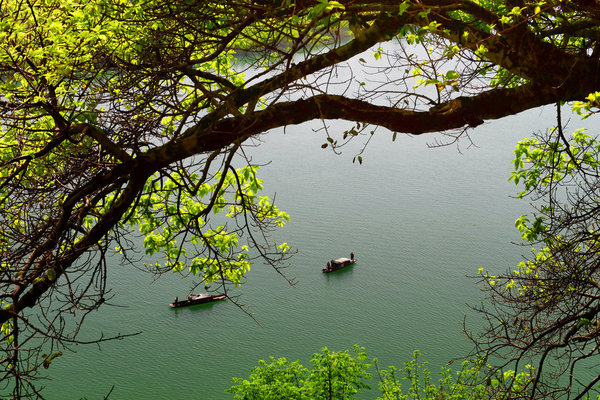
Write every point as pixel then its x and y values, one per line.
pixel 451 75
pixel 405 5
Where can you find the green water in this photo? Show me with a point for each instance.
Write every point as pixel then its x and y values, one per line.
pixel 418 220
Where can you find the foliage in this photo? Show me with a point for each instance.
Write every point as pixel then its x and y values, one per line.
pixel 277 379
pixel 472 382
pixel 164 214
pixel 340 375
pixel 334 375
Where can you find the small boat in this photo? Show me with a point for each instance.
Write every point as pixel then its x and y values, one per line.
pixel 340 263
pixel 197 299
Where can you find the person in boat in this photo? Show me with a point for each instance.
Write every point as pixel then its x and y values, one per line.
pixel 176 300
pixel 352 256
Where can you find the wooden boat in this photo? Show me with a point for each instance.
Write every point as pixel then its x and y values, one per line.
pixel 197 299
pixel 340 263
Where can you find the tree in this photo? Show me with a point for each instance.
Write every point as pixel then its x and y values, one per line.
pixel 333 376
pixel 546 311
pixel 470 382
pixel 132 115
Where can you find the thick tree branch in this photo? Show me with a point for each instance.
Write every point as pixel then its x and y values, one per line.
pixel 454 114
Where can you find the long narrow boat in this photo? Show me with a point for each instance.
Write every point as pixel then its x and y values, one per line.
pixel 340 263
pixel 197 299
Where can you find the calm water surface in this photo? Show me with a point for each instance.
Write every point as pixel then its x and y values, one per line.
pixel 419 220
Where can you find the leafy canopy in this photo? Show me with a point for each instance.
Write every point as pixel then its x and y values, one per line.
pixel 342 375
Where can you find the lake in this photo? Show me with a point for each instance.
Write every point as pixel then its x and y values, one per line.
pixel 419 220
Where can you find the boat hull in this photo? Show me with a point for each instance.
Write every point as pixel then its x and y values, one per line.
pixel 191 301
pixel 336 266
